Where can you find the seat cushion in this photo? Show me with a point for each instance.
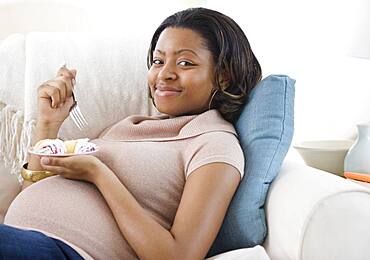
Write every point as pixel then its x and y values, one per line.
pixel 265 129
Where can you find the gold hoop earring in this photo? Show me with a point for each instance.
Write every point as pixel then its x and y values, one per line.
pixel 210 102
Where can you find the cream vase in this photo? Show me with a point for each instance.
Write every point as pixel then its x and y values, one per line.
pixel 357 159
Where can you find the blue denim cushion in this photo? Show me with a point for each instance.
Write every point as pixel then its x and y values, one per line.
pixel 265 130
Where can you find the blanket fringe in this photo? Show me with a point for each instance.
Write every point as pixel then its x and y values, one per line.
pixel 15 138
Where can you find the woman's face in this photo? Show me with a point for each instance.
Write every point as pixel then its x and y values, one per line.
pixel 181 75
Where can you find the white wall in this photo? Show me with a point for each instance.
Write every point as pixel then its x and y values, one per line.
pixel 306 39
pixel 309 40
pixel 85 15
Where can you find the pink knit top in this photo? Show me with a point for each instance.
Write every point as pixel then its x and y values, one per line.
pixel 152 157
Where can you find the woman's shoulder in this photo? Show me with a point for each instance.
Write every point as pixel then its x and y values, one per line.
pixel 213 146
pixel 218 140
pixel 212 132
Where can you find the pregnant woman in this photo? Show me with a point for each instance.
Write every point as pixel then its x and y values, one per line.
pixel 159 187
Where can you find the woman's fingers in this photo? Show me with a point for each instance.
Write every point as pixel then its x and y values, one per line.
pixel 53 165
pixel 58 166
pixel 63 85
pixel 55 169
pixel 50 92
pixel 64 71
pixel 74 72
pixel 69 75
pixel 61 162
pixel 60 89
pixel 54 91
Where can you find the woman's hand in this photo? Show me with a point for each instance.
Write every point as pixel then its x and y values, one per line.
pixel 55 98
pixel 80 167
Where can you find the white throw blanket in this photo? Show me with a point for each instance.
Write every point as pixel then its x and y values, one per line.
pixel 14 131
pixel 111 83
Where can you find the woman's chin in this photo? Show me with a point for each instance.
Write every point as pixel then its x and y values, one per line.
pixel 167 110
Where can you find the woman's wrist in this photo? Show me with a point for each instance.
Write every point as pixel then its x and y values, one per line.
pixel 101 174
pixel 47 130
pixel 47 125
pixel 43 130
pixel 34 175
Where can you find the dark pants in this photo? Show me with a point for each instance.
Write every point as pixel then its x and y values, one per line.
pixel 16 243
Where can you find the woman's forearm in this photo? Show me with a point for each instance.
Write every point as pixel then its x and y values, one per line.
pixel 42 131
pixel 146 236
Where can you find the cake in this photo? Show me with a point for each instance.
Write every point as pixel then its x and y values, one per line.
pixel 57 146
pixel 50 146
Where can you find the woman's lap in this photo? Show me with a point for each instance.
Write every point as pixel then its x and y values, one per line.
pixel 16 243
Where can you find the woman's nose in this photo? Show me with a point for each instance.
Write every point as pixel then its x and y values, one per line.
pixel 167 72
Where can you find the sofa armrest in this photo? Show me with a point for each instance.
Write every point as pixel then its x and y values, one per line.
pixel 312 214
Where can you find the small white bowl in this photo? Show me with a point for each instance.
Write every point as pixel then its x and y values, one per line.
pixel 327 155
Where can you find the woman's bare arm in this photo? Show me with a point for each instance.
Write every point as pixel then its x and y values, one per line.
pixel 42 131
pixel 54 103
pixel 206 197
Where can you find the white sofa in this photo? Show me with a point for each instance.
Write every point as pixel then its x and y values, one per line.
pixel 311 214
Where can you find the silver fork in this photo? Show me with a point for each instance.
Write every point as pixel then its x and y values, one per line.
pixel 75 112
pixel 77 116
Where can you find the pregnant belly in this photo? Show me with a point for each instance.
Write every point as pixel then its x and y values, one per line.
pixel 74 211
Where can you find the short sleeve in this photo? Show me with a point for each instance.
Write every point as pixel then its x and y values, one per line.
pixel 214 147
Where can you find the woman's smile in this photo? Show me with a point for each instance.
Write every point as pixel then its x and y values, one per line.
pixel 166 93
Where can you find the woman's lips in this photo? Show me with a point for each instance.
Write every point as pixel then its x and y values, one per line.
pixel 166 93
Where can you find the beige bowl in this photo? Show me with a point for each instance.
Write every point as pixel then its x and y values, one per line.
pixel 327 155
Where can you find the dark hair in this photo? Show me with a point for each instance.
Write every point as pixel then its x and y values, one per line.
pixel 232 55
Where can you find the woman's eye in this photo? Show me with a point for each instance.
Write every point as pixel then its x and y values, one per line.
pixel 185 63
pixel 157 61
